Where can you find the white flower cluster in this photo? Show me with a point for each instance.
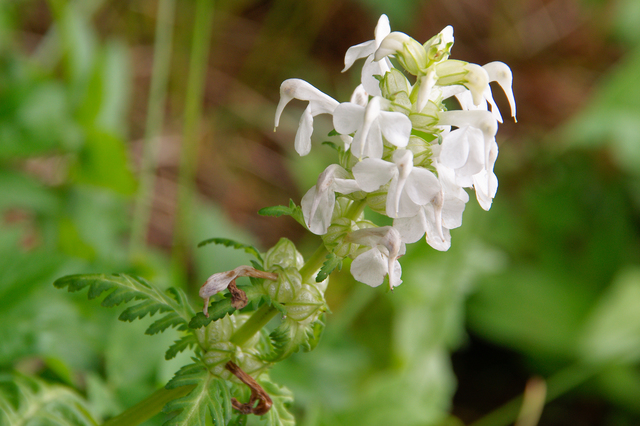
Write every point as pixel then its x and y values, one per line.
pixel 410 147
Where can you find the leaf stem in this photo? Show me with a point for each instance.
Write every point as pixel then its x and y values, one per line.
pixel 155 118
pixel 557 385
pixel 313 265
pixel 148 407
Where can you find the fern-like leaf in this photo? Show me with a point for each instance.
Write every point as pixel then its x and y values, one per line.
pixel 277 211
pixel 282 399
pixel 123 288
pixel 210 396
pixel 29 400
pixel 233 244
pixel 186 341
pixel 328 266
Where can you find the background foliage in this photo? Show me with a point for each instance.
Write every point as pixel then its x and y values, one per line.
pixel 545 284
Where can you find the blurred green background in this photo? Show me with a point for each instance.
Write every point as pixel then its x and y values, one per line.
pixel 130 131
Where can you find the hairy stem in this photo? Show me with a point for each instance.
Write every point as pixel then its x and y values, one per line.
pixel 148 407
pixel 255 323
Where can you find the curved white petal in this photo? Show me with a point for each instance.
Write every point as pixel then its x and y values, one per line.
pixel 372 173
pixel 358 51
pixel 348 117
pixel 295 88
pixel 422 186
pixel 370 267
pixel 411 229
pixel 302 142
pixel 396 127
pixel 455 148
pixel 501 73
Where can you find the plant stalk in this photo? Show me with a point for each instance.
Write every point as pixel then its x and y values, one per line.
pixel 148 407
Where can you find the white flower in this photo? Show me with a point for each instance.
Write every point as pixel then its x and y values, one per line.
pixel 319 103
pixel 463 150
pixel 485 182
pixel 436 218
pixel 410 187
pixel 318 203
pixel 367 50
pixel 386 247
pixel 370 124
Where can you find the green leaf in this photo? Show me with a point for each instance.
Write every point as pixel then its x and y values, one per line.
pixel 28 400
pixel 210 395
pixel 333 145
pixel 234 244
pixel 220 308
pixel 104 162
pixel 282 399
pixel 180 345
pixel 124 288
pixel 328 266
pixel 277 211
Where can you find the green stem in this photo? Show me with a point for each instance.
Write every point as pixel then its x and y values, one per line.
pixel 557 385
pixel 311 266
pixel 148 407
pixel 193 115
pixel 255 323
pixel 155 118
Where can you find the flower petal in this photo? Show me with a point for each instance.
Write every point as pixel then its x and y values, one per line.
pixel 501 73
pixel 422 186
pixel 396 127
pixel 372 173
pixel 348 117
pixel 370 267
pixel 302 142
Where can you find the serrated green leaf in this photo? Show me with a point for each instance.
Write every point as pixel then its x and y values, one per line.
pixel 29 400
pixel 180 345
pixel 333 132
pixel 124 288
pixel 170 320
pixel 328 266
pixel 277 211
pixel 220 308
pixel 233 244
pixel 282 399
pixel 210 396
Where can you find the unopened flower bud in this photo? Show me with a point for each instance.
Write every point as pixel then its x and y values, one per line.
pixel 439 46
pixel 284 254
pixel 408 51
pixel 308 302
pixel 394 82
pixel 471 76
pixel 285 288
pixel 334 239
